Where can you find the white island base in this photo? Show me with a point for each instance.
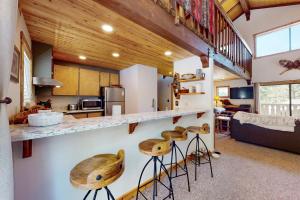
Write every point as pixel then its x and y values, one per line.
pixel 45 175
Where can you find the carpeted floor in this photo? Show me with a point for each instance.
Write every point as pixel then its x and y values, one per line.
pixel 243 172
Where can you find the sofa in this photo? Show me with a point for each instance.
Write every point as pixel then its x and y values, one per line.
pixel 277 139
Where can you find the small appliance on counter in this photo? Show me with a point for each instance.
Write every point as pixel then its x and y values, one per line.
pixel 91 104
pixel 113 96
pixel 72 107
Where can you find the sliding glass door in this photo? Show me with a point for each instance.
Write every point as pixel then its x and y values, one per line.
pixel 280 100
pixel 295 100
pixel 274 100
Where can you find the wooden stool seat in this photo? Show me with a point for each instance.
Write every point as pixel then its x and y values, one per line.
pixel 179 134
pixel 98 171
pixel 155 147
pixel 204 129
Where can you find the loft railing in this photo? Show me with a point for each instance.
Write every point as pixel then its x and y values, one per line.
pixel 280 109
pixel 229 42
pixel 208 20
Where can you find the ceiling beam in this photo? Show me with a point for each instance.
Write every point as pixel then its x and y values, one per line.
pixel 154 18
pixel 246 8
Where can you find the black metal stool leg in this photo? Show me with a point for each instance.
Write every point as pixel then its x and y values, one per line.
pixel 176 163
pixel 87 194
pixel 169 177
pixel 162 160
pixel 197 156
pixel 95 195
pixel 187 149
pixel 209 159
pixel 154 178
pixel 109 194
pixel 140 179
pixel 185 167
pixel 171 166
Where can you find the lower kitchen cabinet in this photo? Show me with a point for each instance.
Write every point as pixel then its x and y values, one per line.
pixel 94 114
pixel 80 115
pixel 87 115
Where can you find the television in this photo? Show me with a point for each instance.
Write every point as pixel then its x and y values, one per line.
pixel 241 93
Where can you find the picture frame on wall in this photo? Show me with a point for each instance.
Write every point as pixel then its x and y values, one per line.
pixel 15 67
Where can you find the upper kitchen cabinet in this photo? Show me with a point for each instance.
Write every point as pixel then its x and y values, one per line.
pixel 104 79
pixel 88 82
pixel 114 79
pixel 69 76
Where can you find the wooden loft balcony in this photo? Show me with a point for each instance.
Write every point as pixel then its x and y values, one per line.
pixel 168 19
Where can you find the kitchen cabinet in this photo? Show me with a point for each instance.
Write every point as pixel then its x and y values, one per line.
pixel 94 114
pixel 89 82
pixel 87 115
pixel 104 79
pixel 114 79
pixel 68 75
pixel 80 115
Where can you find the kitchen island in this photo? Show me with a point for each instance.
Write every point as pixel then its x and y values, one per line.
pixel 57 149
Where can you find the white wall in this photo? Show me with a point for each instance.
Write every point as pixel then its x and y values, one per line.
pixel 189 65
pixel 235 83
pixel 140 83
pixel 14 88
pixel 267 69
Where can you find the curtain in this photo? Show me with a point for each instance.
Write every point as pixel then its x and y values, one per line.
pixel 8 19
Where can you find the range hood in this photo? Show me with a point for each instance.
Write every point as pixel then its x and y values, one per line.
pixel 42 66
pixel 46 82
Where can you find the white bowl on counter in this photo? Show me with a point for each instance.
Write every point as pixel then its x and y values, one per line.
pixel 45 119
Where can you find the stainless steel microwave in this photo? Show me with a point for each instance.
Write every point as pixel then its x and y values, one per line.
pixel 91 104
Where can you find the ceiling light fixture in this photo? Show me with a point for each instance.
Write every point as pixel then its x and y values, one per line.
pixel 82 57
pixel 168 53
pixel 115 54
pixel 107 28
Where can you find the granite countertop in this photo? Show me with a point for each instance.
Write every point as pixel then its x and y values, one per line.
pixel 72 125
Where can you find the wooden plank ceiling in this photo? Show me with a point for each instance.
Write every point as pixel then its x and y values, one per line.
pixel 74 28
pixel 236 8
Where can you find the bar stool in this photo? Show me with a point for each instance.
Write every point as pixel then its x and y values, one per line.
pixel 155 148
pixel 179 134
pixel 98 172
pixel 197 157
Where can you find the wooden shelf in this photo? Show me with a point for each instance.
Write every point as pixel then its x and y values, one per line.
pixel 194 93
pixel 190 80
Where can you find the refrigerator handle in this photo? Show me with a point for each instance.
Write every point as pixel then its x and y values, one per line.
pixel 153 104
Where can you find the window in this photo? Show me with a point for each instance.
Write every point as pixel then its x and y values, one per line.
pixel 26 74
pixel 27 91
pixel 280 100
pixel 277 41
pixel 223 91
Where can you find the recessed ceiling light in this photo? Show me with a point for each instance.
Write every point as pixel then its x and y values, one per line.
pixel 170 73
pixel 107 28
pixel 82 57
pixel 115 54
pixel 168 53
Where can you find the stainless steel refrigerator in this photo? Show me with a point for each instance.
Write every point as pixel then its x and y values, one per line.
pixel 113 96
